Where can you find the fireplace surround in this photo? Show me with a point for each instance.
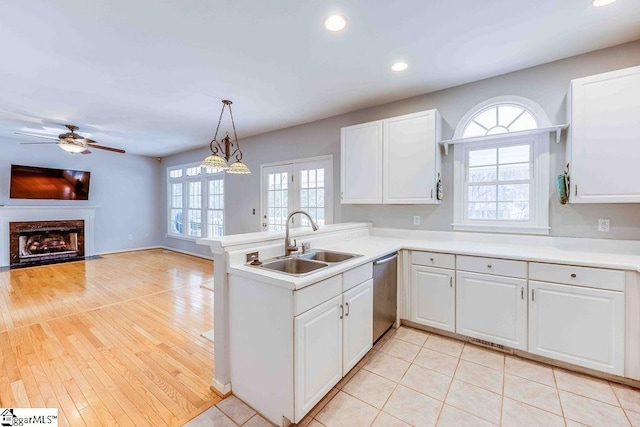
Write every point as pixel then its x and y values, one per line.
pixel 52 215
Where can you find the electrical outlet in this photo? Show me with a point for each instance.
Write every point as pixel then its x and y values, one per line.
pixel 416 220
pixel 604 225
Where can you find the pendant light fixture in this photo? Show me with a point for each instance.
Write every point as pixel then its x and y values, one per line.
pixel 221 150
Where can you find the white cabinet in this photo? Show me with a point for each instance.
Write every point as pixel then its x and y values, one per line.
pixel 433 297
pixel 602 144
pixel 392 161
pixel 492 308
pixel 357 326
pixel 411 158
pixel 330 339
pixel 361 163
pixel 318 353
pixel 578 325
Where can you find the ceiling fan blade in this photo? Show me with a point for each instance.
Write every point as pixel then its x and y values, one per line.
pixel 85 152
pixel 38 143
pixel 102 147
pixel 37 136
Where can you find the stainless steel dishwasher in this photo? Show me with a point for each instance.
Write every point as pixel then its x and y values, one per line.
pixel 385 294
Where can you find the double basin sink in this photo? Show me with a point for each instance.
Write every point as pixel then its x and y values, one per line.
pixel 307 263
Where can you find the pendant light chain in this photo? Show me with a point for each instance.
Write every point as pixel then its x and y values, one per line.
pixel 235 135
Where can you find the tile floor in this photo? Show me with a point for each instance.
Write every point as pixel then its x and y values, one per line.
pixel 413 378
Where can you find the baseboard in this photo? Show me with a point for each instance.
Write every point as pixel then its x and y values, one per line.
pixel 145 248
pixel 222 390
pixel 187 252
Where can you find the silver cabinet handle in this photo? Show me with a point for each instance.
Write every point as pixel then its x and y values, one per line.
pixel 431 259
pixel 574 275
pixel 576 190
pixel 451 282
pixel 432 193
pixel 521 293
pixel 347 304
pixel 489 266
pixel 341 311
pixel 533 294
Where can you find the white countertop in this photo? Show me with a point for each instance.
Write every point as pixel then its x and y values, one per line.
pixel 373 247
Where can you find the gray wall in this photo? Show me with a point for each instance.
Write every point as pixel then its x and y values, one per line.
pixel 546 84
pixel 124 190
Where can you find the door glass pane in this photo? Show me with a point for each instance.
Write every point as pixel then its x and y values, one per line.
pixel 277 200
pixel 312 188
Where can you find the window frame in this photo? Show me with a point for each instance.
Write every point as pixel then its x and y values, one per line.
pixel 204 177
pixel 538 222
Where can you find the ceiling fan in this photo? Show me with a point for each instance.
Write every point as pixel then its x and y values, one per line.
pixel 71 142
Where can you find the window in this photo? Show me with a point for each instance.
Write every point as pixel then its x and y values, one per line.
pixel 195 202
pixel 502 183
pixel 300 184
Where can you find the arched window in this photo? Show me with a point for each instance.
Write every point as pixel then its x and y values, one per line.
pixel 501 115
pixel 500 180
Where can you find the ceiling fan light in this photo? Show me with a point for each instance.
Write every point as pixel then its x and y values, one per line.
pixel 239 168
pixel 214 162
pixel 70 147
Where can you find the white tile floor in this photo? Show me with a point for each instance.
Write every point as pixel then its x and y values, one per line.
pixel 415 378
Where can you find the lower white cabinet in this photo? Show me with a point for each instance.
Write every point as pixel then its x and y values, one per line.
pixel 578 325
pixel 357 325
pixel 492 308
pixel 318 353
pixel 329 340
pixel 433 297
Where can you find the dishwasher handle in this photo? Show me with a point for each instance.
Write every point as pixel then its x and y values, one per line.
pixel 385 260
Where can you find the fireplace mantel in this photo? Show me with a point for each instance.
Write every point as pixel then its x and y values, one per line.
pixel 44 213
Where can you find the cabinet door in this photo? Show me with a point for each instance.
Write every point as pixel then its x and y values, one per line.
pixel 318 354
pixel 492 308
pixel 583 326
pixel 409 158
pixel 357 324
pixel 605 125
pixel 361 163
pixel 433 297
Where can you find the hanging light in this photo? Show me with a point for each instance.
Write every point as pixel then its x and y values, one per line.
pixel 71 147
pixel 221 150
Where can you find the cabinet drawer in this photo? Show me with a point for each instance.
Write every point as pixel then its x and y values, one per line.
pixel 357 275
pixel 501 267
pixel 598 278
pixel 316 294
pixel 433 259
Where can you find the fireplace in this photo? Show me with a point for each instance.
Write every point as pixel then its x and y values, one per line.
pixel 45 242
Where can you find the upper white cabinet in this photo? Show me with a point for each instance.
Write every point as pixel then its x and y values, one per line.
pixel 392 161
pixel 361 163
pixel 604 136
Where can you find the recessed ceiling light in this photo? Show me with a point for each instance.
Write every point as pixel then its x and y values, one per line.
pixel 335 23
pixel 400 66
pixel 598 3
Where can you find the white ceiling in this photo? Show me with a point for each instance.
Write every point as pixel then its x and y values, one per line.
pixel 148 75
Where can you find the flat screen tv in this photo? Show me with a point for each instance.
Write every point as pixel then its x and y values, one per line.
pixel 30 182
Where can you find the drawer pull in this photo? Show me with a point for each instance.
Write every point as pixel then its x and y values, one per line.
pixel 521 293
pixel 533 294
pixel 341 311
pixel 451 282
pixel 347 304
pixel 489 266
pixel 431 259
pixel 574 275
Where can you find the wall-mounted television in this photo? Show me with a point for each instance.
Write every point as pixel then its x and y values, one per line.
pixel 30 182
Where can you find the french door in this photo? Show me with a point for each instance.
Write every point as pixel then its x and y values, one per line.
pixel 305 184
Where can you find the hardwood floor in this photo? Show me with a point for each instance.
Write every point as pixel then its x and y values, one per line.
pixel 111 341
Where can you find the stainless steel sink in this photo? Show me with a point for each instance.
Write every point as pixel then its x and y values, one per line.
pixel 294 266
pixel 328 256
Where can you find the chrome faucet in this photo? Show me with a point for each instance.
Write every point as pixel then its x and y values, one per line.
pixel 288 247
